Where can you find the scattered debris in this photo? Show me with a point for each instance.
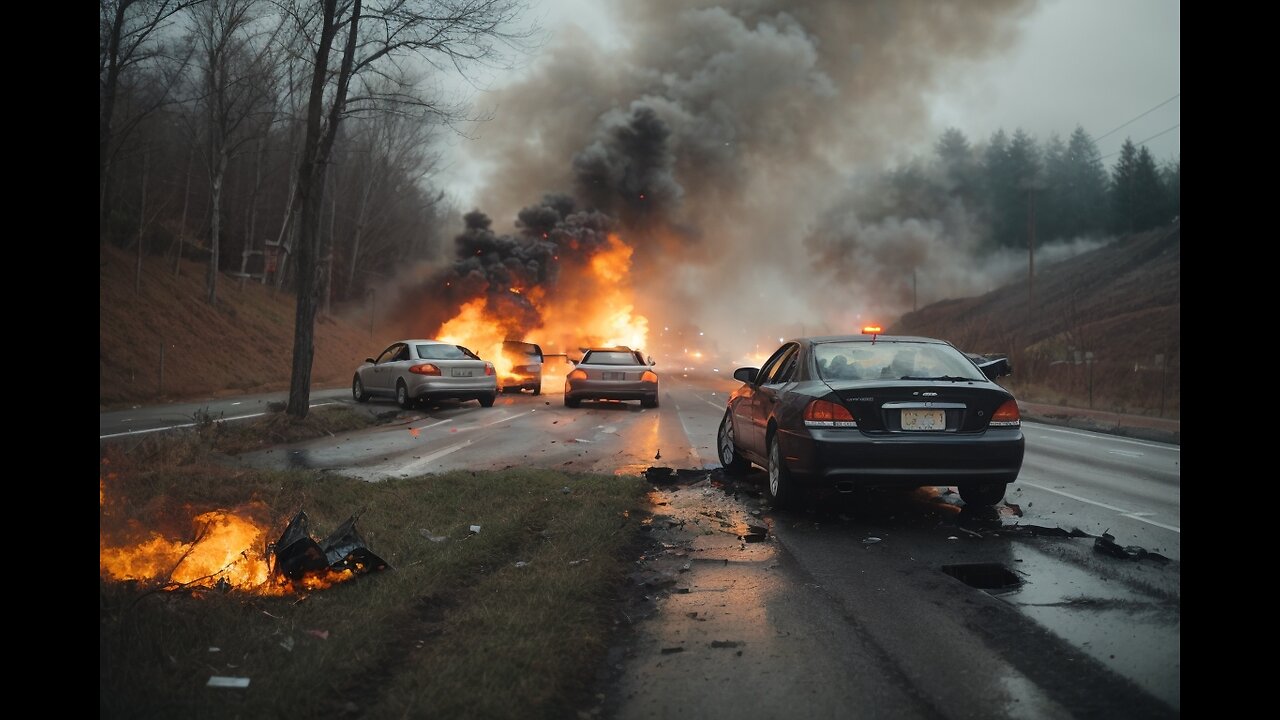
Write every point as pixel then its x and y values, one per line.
pixel 433 538
pixel 953 537
pixel 227 682
pixel 578 562
pixel 1108 546
pixel 214 649
pixel 658 455
pixel 297 554
pixel 669 650
pixel 660 475
pixel 287 643
pixel 521 563
pixel 475 528
pixel 725 643
pixel 755 533
pixel 565 490
pixel 322 634
pixel 870 540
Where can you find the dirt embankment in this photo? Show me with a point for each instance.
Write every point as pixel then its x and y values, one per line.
pixel 241 344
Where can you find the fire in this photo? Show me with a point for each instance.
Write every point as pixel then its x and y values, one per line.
pixel 229 552
pixel 597 308
pixel 474 329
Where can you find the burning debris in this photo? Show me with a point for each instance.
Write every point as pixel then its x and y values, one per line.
pixel 301 560
pixel 230 552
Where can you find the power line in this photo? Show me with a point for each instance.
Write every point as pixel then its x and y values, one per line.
pixel 1157 107
pixel 1143 142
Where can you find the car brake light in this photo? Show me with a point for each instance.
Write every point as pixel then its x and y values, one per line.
pixel 872 330
pixel 488 369
pixel 824 413
pixel 649 376
pixel 578 375
pixel 1007 415
pixel 425 369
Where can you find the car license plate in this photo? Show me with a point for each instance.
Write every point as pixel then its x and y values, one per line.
pixel 924 420
pixel 615 376
pixel 459 372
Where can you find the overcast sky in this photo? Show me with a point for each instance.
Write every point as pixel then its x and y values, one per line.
pixel 1096 63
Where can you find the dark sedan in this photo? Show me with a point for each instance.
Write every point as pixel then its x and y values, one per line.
pixel 854 411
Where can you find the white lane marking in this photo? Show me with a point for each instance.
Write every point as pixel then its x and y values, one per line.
pixel 1126 453
pixel 235 403
pixel 1095 435
pixel 427 459
pixel 717 406
pixel 424 427
pixel 511 417
pixel 693 448
pixel 581 440
pixel 191 424
pixel 1126 513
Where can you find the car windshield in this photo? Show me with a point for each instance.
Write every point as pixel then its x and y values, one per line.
pixel 445 352
pixel 609 357
pixel 522 349
pixel 893 361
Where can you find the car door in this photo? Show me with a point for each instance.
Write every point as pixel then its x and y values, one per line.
pixel 771 388
pixel 758 397
pixel 384 375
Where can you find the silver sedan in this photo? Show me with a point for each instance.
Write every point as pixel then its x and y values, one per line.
pixel 414 371
pixel 616 373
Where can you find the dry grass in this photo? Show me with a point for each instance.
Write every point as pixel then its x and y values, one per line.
pixel 454 629
pixel 242 344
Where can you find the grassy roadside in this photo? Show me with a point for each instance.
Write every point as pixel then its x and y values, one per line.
pixel 512 620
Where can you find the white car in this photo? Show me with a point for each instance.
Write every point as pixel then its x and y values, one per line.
pixel 414 371
pixel 616 373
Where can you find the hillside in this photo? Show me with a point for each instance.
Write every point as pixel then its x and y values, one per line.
pixel 1120 302
pixel 241 345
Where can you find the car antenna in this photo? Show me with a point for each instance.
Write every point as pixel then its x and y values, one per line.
pixel 873 331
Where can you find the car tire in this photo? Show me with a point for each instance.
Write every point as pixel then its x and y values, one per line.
pixel 982 494
pixel 537 389
pixel 402 396
pixel 649 402
pixel 730 459
pixel 571 402
pixel 487 400
pixel 781 486
pixel 357 389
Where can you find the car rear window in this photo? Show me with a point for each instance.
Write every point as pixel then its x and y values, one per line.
pixel 892 360
pixel 608 357
pixel 445 352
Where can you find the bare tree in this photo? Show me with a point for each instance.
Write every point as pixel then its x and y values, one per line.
pixel 129 37
pixel 374 40
pixel 238 77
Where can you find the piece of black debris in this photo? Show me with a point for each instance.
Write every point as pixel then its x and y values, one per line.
pixel 660 475
pixel 669 650
pixel 1107 545
pixel 296 553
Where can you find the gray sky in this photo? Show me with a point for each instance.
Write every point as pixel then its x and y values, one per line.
pixel 1096 63
pixel 739 141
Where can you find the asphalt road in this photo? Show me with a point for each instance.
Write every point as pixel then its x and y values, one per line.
pixel 890 605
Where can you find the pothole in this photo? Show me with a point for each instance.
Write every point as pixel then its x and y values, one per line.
pixel 991 577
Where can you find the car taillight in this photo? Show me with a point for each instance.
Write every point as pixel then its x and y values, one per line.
pixel 1007 415
pixel 488 369
pixel 824 413
pixel 425 369
pixel 649 376
pixel 578 375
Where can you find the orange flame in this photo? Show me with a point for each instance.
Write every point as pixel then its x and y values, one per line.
pixel 229 552
pixel 599 309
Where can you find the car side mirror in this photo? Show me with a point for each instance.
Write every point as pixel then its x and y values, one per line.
pixel 651 362
pixel 368 360
pixel 746 374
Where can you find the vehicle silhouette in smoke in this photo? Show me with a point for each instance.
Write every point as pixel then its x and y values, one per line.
pixel 526 360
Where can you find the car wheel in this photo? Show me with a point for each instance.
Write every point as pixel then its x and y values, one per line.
pixel 571 402
pixel 487 400
pixel 357 390
pixel 537 389
pixel 730 458
pixel 982 494
pixel 781 486
pixel 402 395
pixel 649 402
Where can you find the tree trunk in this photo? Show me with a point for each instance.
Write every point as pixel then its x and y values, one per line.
pixel 186 201
pixel 142 222
pixel 215 225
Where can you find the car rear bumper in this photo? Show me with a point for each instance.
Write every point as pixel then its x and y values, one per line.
pixel 611 390
pixel 448 387
pixel 522 381
pixel 846 458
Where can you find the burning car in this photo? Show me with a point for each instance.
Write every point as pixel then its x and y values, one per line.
pixel 525 360
pixel 413 371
